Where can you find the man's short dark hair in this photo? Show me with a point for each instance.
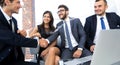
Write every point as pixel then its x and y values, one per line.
pixel 101 0
pixel 2 2
pixel 63 6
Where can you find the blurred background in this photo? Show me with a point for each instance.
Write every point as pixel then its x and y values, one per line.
pixel 31 14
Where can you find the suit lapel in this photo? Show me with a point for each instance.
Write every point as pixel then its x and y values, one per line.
pixel 94 23
pixel 62 29
pixel 109 20
pixel 3 20
pixel 71 24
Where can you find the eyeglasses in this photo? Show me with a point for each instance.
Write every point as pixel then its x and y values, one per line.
pixel 60 11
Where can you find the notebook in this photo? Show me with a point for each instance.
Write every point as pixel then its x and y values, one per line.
pixel 107 49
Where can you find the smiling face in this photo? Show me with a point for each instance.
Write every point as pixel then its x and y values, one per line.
pixel 62 13
pixel 100 7
pixel 46 18
pixel 15 6
pixel 11 6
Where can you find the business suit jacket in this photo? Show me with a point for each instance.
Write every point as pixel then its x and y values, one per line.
pixel 91 25
pixel 11 40
pixel 76 29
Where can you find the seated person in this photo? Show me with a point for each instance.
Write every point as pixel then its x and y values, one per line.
pixel 93 24
pixel 72 36
pixel 51 53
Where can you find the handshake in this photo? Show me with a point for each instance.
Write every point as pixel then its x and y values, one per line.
pixel 43 42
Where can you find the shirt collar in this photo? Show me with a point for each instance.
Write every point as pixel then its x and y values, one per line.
pixel 6 16
pixel 104 16
pixel 67 19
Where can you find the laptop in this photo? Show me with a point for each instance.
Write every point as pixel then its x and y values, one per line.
pixel 107 50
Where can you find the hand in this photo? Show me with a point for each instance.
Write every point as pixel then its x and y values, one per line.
pixel 35 35
pixel 43 43
pixel 44 53
pixel 77 54
pixel 22 32
pixel 92 48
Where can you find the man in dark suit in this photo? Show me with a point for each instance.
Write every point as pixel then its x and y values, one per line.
pixel 93 23
pixel 74 47
pixel 12 39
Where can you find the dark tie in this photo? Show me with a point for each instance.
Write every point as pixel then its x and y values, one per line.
pixel 102 23
pixel 11 25
pixel 15 49
pixel 68 37
pixel 10 22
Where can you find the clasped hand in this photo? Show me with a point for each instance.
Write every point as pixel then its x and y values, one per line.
pixel 43 43
pixel 22 32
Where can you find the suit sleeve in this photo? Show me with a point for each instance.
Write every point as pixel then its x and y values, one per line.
pixel 89 33
pixel 118 20
pixel 54 35
pixel 81 34
pixel 9 38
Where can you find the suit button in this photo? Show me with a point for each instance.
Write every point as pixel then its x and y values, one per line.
pixel 9 49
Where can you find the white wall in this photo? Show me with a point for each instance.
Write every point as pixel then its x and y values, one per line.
pixel 19 16
pixel 78 8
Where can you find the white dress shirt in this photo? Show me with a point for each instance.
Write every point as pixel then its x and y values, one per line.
pixel 99 28
pixel 73 41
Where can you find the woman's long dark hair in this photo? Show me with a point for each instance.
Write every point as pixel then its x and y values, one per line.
pixel 51 20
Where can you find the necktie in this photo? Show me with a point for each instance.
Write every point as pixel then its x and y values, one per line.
pixel 68 37
pixel 102 23
pixel 11 25
pixel 10 22
pixel 12 28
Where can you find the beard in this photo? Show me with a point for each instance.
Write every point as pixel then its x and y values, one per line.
pixel 64 16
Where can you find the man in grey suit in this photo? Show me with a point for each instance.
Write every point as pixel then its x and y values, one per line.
pixel 72 46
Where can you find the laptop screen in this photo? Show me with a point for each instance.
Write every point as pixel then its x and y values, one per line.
pixel 107 49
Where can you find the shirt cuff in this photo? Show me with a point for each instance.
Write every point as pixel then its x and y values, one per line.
pixel 47 41
pixel 80 49
pixel 37 40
